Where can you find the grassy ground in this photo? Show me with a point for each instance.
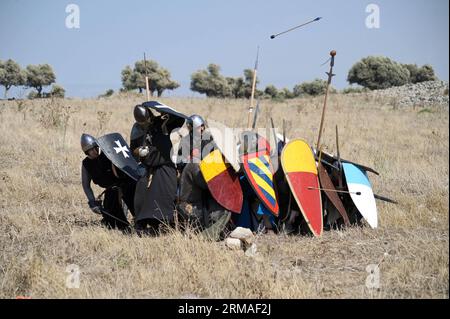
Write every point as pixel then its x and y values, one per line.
pixel 45 224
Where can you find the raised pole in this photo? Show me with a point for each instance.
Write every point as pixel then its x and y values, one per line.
pixel 330 75
pixel 252 96
pixel 147 87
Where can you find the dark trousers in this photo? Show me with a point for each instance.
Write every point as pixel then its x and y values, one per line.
pixel 151 227
pixel 114 216
pixel 128 191
pixel 190 216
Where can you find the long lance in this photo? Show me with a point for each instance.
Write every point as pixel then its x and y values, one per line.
pixel 255 117
pixel 330 76
pixel 147 87
pixel 252 97
pixel 275 139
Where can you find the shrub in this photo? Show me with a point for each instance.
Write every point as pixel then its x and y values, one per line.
pixel 312 88
pixel 211 82
pixel 422 74
pixel 109 93
pixel 271 91
pixel 32 95
pixel 353 89
pixel 57 91
pixel 378 73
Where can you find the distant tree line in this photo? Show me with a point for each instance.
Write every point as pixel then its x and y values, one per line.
pixel 33 76
pixel 209 82
pixel 370 73
pixel 213 84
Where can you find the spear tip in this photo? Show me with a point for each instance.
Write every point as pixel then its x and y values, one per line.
pixel 333 52
pixel 317 19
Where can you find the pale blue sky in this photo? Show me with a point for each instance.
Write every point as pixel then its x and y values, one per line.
pixel 184 36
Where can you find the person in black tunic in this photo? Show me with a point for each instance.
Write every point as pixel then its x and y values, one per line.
pixel 197 139
pixel 97 168
pixel 196 206
pixel 155 196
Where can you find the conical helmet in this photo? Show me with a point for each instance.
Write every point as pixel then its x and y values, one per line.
pixel 87 142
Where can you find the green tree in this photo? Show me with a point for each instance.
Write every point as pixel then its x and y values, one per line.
pixel 211 82
pixel 238 87
pixel 242 86
pixel 128 79
pixel 11 75
pixel 159 78
pixel 354 90
pixel 287 94
pixel 57 91
pixel 422 74
pixel 248 83
pixel 426 73
pixel 271 91
pixel 377 72
pixel 313 88
pixel 163 82
pixel 234 84
pixel 38 76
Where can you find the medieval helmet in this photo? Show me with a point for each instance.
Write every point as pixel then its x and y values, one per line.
pixel 87 142
pixel 195 121
pixel 141 114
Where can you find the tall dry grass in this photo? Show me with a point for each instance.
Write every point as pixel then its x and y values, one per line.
pixel 45 224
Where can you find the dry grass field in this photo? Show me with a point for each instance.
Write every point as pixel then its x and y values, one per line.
pixel 45 224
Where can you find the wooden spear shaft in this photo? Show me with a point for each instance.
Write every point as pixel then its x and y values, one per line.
pixel 147 87
pixel 252 96
pixel 330 75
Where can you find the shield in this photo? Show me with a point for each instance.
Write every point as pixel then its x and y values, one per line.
pixel 118 152
pixel 178 117
pixel 300 168
pixel 226 141
pixel 255 157
pixel 329 159
pixel 270 136
pixel 222 181
pixel 361 193
pixel 330 191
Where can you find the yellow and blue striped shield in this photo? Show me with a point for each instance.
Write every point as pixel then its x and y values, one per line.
pixel 259 172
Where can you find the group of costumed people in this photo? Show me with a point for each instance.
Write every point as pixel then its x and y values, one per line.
pixel 159 192
pixel 164 192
